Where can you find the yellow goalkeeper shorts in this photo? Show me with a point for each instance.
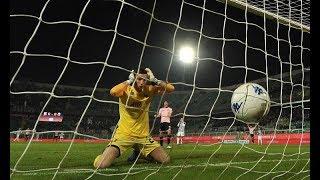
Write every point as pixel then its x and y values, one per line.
pixel 124 142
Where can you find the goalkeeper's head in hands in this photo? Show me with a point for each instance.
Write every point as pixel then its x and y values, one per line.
pixel 146 77
pixel 140 79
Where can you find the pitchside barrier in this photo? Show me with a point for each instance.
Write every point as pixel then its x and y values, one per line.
pixel 284 138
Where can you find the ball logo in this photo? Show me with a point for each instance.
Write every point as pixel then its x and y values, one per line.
pixel 236 106
pixel 257 90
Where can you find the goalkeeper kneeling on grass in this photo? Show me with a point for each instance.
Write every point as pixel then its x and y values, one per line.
pixel 132 131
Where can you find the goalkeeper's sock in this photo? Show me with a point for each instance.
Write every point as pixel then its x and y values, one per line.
pixel 177 140
pixel 95 162
pixel 161 141
pixel 169 140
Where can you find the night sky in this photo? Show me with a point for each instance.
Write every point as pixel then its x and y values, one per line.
pixel 55 34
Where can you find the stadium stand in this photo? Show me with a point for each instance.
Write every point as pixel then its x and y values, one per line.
pixel 100 118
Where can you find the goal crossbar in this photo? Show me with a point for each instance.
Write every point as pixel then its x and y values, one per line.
pixel 241 4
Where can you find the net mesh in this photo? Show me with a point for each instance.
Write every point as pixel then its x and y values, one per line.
pixel 295 12
pixel 64 53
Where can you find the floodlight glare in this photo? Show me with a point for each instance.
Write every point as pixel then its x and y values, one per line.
pixel 186 54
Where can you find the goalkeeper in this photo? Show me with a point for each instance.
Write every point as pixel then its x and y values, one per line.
pixel 132 129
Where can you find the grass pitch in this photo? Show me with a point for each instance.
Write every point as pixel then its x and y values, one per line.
pixel 188 161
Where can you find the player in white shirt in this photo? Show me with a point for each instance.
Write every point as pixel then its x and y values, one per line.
pixel 165 131
pixel 181 127
pixel 56 135
pixel 251 131
pixel 27 131
pixel 18 135
pixel 61 136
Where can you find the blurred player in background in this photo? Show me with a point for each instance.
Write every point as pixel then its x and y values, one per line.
pixel 61 136
pixel 18 135
pixel 27 131
pixel 165 114
pixel 56 135
pixel 135 96
pixel 181 127
pixel 251 131
pixel 37 136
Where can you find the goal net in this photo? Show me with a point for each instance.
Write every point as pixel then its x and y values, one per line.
pixel 65 56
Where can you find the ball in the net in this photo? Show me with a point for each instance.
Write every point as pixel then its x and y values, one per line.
pixel 250 102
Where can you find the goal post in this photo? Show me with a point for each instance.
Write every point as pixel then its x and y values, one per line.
pixel 294 16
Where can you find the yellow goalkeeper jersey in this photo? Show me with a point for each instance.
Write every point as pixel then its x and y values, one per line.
pixel 134 118
pixel 134 108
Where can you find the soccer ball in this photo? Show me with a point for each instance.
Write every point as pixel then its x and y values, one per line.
pixel 250 102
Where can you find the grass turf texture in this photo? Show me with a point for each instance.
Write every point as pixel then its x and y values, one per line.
pixel 229 161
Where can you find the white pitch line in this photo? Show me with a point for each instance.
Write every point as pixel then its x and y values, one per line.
pixel 77 171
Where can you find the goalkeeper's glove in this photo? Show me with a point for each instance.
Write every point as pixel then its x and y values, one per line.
pixel 153 80
pixel 131 78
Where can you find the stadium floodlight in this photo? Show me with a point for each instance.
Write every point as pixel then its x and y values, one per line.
pixel 186 54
